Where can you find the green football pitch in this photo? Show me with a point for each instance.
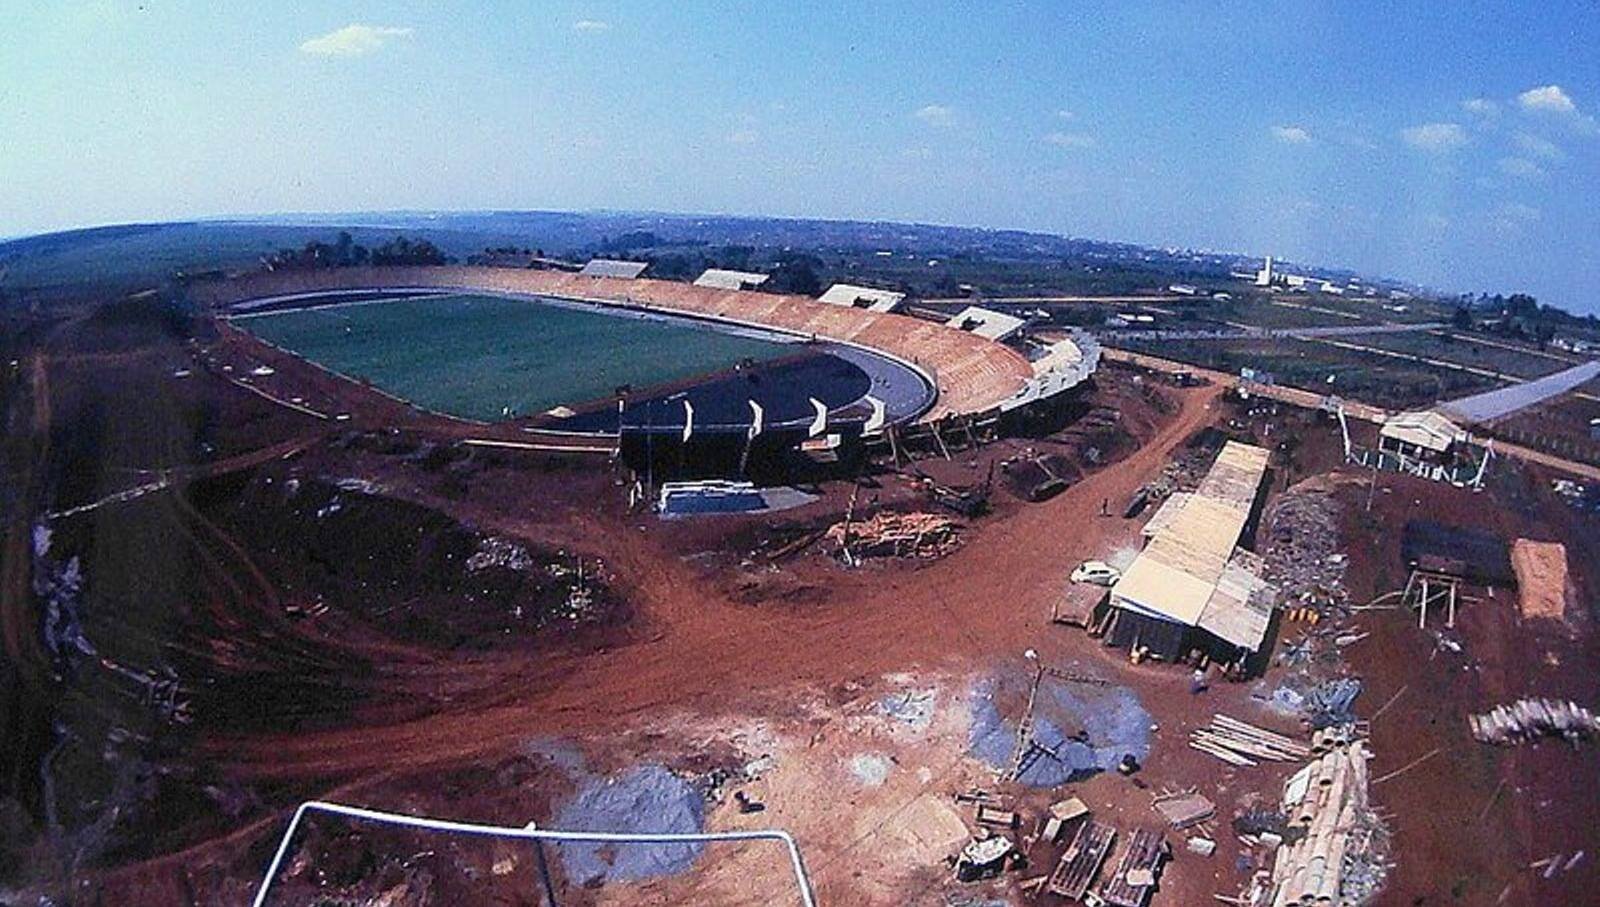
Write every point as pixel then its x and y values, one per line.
pixel 483 356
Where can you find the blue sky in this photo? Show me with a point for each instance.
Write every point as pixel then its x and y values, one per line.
pixel 1450 143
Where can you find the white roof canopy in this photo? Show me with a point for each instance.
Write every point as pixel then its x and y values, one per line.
pixel 724 279
pixel 610 267
pixel 986 322
pixel 862 297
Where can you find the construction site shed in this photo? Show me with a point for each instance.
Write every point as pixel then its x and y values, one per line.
pixel 1424 435
pixel 1192 587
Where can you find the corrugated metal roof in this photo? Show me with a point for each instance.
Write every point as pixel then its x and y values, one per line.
pixel 724 279
pixel 1165 514
pixel 862 297
pixel 1189 572
pixel 610 267
pixel 1241 607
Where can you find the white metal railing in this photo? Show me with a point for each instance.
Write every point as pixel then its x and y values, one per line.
pixel 530 833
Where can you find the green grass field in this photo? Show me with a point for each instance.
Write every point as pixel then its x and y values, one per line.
pixel 472 355
pixel 1463 351
pixel 1368 377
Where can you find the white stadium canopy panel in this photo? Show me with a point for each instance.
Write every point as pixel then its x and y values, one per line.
pixel 986 323
pixel 610 267
pixel 724 279
pixel 862 297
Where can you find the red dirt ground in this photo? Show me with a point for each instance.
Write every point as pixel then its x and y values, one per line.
pixel 701 641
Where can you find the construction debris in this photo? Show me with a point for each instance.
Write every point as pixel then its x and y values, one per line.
pixel 1080 862
pixel 1301 551
pixel 1330 703
pixel 1528 720
pixel 1556 863
pixel 995 817
pixel 1137 873
pixel 1239 743
pixel 1335 845
pixel 1184 808
pixel 983 858
pixel 918 535
pixel 1062 814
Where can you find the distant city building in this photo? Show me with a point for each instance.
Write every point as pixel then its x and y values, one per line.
pixel 1264 276
pixel 1182 289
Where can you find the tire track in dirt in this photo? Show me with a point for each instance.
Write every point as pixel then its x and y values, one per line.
pixel 712 652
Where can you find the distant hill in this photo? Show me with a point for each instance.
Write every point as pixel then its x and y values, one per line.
pixel 925 258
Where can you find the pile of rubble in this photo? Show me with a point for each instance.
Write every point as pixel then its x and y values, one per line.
pixel 1301 551
pixel 1527 720
pixel 1079 872
pixel 1180 475
pixel 918 535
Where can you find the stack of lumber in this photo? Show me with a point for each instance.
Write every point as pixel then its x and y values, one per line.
pixel 1239 743
pixel 1530 719
pixel 1327 802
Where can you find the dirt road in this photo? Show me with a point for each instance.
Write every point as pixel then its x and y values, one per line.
pixel 987 599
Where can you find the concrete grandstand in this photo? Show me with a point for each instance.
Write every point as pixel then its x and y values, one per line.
pixel 971 375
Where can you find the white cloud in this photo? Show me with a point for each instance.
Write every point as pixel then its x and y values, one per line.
pixel 1514 218
pixel 1521 168
pixel 1554 101
pixel 1070 139
pixel 1066 114
pixel 1291 135
pixel 1520 213
pixel 1534 146
pixel 1436 138
pixel 937 115
pixel 352 40
pixel 1481 107
pixel 744 136
pixel 1547 98
pixel 591 25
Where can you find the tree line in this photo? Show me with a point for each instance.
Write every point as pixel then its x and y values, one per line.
pixel 345 252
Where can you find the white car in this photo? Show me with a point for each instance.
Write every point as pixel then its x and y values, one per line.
pixel 1098 572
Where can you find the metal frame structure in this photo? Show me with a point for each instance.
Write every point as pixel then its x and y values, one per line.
pixel 530 833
